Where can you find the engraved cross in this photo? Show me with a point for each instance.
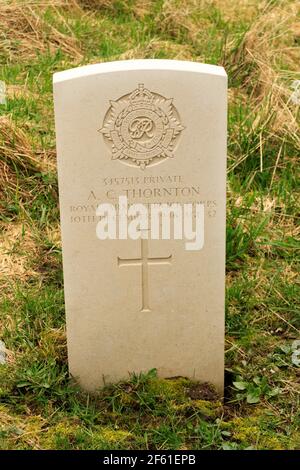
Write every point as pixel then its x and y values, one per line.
pixel 144 261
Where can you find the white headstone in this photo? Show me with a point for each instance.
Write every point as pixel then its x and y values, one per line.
pixel 155 132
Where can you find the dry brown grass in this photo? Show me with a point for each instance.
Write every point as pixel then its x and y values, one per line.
pixel 266 62
pixel 6 419
pixel 182 18
pixel 19 91
pixel 24 30
pixel 53 343
pixel 19 163
pixel 17 246
pixel 26 427
pixel 15 147
pixel 95 4
pixel 268 52
pixel 238 10
pixel 16 155
pixel 53 234
pixel 172 50
pixel 142 8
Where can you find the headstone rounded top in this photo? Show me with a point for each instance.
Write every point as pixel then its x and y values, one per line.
pixel 139 64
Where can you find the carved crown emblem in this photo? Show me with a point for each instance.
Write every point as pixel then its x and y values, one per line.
pixel 141 128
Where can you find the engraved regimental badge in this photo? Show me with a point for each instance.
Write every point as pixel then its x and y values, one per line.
pixel 142 128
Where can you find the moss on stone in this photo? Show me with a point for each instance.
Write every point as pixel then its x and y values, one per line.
pixel 113 436
pixel 252 431
pixel 61 435
pixel 203 408
pixel 211 409
pixel 169 389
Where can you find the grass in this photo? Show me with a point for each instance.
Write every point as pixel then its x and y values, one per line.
pixel 258 43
